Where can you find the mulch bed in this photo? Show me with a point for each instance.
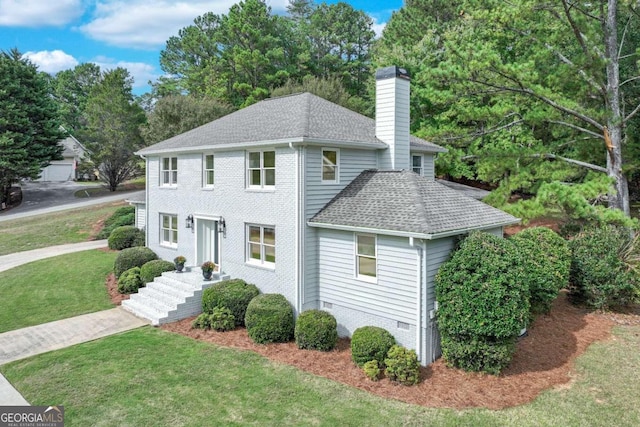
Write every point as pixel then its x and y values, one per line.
pixel 544 359
pixel 112 289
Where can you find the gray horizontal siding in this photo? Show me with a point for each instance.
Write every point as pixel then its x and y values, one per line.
pixel 394 294
pixel 438 252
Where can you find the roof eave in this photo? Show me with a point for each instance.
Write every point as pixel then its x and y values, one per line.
pixel 219 147
pixel 423 149
pixel 427 236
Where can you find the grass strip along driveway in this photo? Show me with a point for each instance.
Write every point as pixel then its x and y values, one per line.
pixel 54 288
pixel 152 377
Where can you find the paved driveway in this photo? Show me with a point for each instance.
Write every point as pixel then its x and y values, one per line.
pixel 41 195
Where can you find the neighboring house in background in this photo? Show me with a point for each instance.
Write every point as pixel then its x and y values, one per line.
pixel 65 170
pixel 331 209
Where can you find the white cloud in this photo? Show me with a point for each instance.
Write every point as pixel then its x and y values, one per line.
pixel 378 27
pixel 37 13
pixel 146 24
pixel 140 71
pixel 51 61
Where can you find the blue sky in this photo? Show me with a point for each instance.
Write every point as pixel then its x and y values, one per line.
pixel 59 34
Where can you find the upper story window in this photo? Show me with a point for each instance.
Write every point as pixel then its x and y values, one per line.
pixel 169 171
pixel 366 257
pixel 209 177
pixel 261 169
pixel 169 230
pixel 261 245
pixel 330 168
pixel 416 164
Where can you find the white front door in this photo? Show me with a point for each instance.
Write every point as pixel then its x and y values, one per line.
pixel 207 241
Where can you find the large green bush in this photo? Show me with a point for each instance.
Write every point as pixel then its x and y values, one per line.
pixel 129 281
pixel 546 259
pixel 482 296
pixel 316 330
pixel 132 257
pixel 126 236
pixel 370 343
pixel 269 318
pixel 603 270
pixel 124 215
pixel 234 294
pixel 152 269
pixel 402 365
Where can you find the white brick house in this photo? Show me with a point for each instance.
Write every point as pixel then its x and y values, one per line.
pixel 308 199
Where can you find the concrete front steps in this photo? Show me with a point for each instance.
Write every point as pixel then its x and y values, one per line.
pixel 172 296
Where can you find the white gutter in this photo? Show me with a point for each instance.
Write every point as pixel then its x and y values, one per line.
pixel 428 236
pixel 269 143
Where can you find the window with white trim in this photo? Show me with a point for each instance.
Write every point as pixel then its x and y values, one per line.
pixel 416 164
pixel 366 257
pixel 169 171
pixel 330 165
pixel 207 167
pixel 261 245
pixel 169 230
pixel 261 169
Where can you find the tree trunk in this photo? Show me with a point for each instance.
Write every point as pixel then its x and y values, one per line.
pixel 614 136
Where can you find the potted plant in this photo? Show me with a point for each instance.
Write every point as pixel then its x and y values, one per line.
pixel 179 262
pixel 207 269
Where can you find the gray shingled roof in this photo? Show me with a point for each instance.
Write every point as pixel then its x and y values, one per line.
pixel 295 117
pixel 403 201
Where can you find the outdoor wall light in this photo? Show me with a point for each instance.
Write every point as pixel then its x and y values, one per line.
pixel 222 227
pixel 189 221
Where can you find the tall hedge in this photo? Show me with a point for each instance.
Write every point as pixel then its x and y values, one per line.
pixel 482 298
pixel 269 318
pixel 546 259
pixel 603 270
pixel 234 294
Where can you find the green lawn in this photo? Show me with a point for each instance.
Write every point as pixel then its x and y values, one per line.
pixel 152 377
pixel 54 288
pixel 100 189
pixel 52 229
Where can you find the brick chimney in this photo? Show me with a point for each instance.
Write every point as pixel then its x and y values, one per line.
pixel 392 116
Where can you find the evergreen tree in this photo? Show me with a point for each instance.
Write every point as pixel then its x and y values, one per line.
pixel 29 125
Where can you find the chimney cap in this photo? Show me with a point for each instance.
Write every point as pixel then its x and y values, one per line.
pixel 392 72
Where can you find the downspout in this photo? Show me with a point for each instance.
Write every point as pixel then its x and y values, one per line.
pixel 146 200
pixel 298 266
pixel 419 260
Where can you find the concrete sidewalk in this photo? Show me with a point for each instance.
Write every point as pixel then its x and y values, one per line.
pixel 18 258
pixel 22 343
pixel 26 342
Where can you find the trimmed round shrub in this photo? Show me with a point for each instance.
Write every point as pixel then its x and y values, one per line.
pixel 482 297
pixel 478 355
pixel 269 318
pixel 132 257
pixel 152 269
pixel 316 330
pixel 603 273
pixel 234 294
pixel 546 259
pixel 402 365
pixel 370 343
pixel 203 321
pixel 129 281
pixel 126 236
pixel 372 370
